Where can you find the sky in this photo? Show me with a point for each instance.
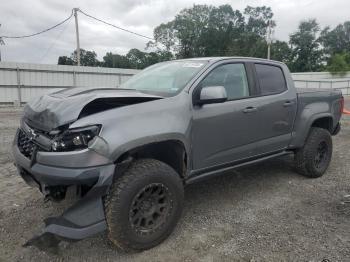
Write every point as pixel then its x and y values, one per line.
pixel 21 17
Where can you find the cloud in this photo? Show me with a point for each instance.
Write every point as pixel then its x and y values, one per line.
pixel 25 17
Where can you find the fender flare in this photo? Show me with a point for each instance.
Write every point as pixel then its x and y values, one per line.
pixel 301 133
pixel 143 141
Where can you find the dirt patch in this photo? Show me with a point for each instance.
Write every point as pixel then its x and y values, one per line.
pixel 262 213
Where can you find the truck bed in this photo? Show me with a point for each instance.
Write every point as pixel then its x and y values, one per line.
pixel 315 104
pixel 325 100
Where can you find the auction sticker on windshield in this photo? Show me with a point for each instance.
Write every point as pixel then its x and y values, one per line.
pixel 196 65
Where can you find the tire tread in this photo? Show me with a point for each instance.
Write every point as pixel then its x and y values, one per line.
pixel 116 233
pixel 303 157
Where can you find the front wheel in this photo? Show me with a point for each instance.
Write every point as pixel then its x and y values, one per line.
pixel 144 205
pixel 313 159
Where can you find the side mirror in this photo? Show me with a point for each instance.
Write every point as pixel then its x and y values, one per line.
pixel 211 95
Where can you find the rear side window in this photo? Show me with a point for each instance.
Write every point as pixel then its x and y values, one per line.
pixel 271 79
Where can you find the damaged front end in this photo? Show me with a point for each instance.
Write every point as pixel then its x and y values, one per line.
pixel 54 157
pixel 90 182
pixel 85 218
pixel 58 109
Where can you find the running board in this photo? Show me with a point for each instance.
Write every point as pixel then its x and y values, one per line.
pixel 195 178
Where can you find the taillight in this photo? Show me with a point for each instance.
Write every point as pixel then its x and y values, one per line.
pixel 342 105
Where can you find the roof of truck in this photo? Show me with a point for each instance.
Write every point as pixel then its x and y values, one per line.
pixel 219 58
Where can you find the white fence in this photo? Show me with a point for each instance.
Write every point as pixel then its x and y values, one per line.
pixel 20 82
pixel 322 80
pixel 340 84
pixel 317 76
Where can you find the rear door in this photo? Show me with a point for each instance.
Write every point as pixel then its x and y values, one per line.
pixel 277 105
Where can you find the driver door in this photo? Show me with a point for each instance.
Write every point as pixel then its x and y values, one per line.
pixel 225 132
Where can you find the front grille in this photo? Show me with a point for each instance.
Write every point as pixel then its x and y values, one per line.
pixel 25 145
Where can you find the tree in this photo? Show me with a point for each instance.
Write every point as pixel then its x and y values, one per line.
pixel 339 64
pixel 336 46
pixel 135 58
pixel 211 31
pixel 202 30
pixel 224 26
pixel 189 25
pixel 165 34
pixel 281 51
pixel 164 55
pixel 257 19
pixel 115 61
pixel 252 40
pixel 206 30
pixel 87 58
pixel 140 60
pixel 65 60
pixel 306 53
pixel 336 41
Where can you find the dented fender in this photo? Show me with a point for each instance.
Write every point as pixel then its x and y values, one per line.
pixel 129 127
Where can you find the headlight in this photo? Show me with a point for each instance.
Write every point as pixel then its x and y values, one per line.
pixel 75 139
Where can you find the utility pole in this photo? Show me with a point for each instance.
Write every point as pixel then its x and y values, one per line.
pixel 77 34
pixel 1 43
pixel 269 39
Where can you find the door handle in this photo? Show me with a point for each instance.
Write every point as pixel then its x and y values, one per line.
pixel 250 109
pixel 288 103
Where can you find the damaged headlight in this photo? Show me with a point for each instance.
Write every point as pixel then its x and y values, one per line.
pixel 75 139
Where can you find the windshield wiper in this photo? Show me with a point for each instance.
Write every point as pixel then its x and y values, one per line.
pixel 125 88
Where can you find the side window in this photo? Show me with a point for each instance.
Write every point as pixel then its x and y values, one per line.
pixel 231 76
pixel 271 79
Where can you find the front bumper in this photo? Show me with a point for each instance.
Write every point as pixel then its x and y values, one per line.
pixel 86 217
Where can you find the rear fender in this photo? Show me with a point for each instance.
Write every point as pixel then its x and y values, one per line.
pixel 302 129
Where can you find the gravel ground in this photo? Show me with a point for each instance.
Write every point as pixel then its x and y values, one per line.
pixel 265 212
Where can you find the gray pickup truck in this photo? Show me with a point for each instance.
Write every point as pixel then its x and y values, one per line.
pixel 128 152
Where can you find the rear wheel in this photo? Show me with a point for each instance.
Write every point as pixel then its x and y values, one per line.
pixel 144 205
pixel 313 159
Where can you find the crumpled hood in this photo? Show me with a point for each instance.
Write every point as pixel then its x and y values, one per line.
pixel 63 107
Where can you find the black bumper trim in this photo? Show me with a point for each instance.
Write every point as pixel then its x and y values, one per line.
pixel 84 219
pixel 73 233
pixel 54 234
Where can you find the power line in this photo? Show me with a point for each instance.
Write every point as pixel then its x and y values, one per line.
pixel 53 43
pixel 74 11
pixel 118 27
pixel 38 33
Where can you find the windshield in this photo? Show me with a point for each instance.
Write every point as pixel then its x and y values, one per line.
pixel 166 79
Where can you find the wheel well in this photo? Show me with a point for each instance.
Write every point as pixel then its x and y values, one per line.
pixel 324 122
pixel 171 152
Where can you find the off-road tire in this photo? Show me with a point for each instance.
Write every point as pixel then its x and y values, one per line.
pixel 306 157
pixel 121 198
